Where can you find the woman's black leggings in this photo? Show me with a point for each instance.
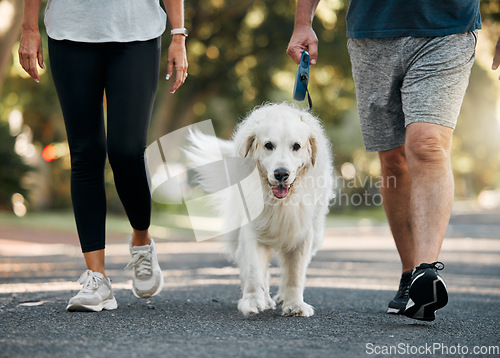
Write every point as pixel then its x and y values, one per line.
pixel 128 73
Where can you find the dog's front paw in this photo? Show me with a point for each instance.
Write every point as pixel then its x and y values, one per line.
pixel 251 304
pixel 300 309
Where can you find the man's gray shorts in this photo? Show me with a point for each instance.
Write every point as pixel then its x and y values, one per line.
pixel 404 80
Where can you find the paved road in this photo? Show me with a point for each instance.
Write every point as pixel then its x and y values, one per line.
pixel 349 282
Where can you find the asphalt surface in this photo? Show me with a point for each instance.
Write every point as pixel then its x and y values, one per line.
pixel 350 282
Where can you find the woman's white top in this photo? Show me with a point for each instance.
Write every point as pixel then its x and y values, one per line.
pixel 104 20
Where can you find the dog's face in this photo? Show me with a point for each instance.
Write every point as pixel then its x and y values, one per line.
pixel 283 148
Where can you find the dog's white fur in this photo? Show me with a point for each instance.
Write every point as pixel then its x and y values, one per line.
pixel 293 227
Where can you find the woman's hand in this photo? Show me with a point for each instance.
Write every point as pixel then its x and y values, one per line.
pixel 177 59
pixel 31 52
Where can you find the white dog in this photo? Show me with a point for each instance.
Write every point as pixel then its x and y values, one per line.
pixel 293 157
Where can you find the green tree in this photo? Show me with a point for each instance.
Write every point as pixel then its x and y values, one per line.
pixel 11 12
pixel 237 60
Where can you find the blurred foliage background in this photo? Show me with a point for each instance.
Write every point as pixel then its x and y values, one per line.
pixel 236 52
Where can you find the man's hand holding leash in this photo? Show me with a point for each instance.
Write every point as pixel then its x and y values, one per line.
pixel 303 37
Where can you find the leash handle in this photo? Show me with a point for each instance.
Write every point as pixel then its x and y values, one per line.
pixel 301 81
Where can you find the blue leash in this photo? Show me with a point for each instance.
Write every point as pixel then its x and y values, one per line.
pixel 301 81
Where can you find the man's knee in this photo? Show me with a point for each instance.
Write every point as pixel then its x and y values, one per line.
pixel 393 162
pixel 428 143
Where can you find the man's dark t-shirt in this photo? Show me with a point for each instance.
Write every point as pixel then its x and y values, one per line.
pixel 417 18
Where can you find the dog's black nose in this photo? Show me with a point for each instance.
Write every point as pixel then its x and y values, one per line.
pixel 281 174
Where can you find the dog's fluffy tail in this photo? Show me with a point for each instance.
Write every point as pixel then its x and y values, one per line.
pixel 202 150
pixel 205 149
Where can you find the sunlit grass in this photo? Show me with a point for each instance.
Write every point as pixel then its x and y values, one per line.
pixel 63 221
pixel 58 220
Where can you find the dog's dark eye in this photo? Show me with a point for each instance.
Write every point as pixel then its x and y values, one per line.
pixel 269 146
pixel 296 147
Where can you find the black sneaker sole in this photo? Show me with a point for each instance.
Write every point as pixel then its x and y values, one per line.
pixel 395 310
pixel 427 293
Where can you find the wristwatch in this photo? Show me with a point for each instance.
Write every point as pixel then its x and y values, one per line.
pixel 180 31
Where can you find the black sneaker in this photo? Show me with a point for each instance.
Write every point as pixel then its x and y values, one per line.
pixel 427 292
pixel 398 303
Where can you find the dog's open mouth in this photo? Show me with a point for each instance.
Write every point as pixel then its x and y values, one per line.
pixel 280 191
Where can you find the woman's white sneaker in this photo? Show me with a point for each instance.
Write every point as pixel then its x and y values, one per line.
pixel 147 280
pixel 96 294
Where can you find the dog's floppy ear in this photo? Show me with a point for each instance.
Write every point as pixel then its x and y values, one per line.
pixel 249 144
pixel 314 149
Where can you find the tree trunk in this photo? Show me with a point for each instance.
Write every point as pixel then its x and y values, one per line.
pixel 10 34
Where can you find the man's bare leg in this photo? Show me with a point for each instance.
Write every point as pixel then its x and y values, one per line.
pixel 432 189
pixel 428 155
pixel 396 194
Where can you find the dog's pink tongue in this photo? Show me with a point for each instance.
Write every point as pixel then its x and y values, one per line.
pixel 280 191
